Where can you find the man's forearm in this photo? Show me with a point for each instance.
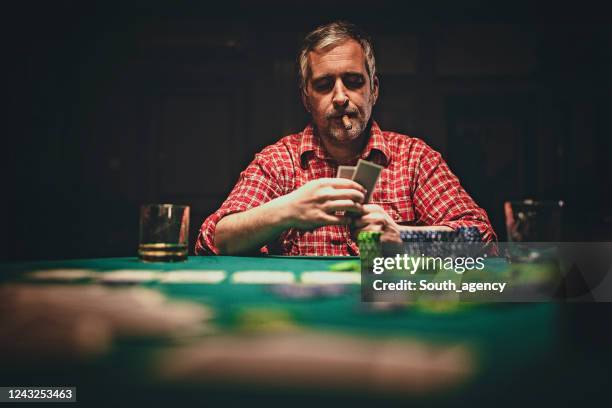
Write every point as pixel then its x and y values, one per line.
pixel 247 231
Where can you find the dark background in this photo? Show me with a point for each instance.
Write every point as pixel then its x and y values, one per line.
pixel 114 105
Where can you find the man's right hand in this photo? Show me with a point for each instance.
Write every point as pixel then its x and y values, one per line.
pixel 313 205
pixel 316 203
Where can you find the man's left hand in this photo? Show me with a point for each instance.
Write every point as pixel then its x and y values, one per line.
pixel 374 218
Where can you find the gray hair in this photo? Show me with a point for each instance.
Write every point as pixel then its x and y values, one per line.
pixel 330 35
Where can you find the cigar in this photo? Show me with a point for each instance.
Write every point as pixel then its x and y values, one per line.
pixel 346 122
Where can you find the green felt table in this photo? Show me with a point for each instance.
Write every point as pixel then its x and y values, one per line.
pixel 483 324
pixel 510 341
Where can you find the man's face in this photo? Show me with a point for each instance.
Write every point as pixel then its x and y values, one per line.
pixel 339 85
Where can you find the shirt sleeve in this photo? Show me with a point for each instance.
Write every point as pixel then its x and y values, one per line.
pixel 441 200
pixel 256 185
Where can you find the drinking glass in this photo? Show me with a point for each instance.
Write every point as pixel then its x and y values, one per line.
pixel 164 232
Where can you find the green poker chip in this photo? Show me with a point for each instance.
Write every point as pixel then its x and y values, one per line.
pixel 346 266
pixel 369 236
pixel 369 248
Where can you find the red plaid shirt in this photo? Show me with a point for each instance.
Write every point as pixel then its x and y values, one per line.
pixel 416 187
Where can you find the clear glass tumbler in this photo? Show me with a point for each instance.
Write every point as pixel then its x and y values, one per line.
pixel 164 233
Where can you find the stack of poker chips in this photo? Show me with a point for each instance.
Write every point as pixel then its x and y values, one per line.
pixel 462 234
pixel 439 243
pixel 369 248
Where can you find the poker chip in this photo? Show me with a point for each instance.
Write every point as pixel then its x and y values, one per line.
pixel 441 243
pixel 461 234
pixel 346 266
pixel 369 248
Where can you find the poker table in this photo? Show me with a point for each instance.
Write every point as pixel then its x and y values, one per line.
pixel 257 344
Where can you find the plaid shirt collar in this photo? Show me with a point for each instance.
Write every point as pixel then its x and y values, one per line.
pixel 310 143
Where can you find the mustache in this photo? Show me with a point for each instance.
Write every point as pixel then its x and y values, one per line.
pixel 335 115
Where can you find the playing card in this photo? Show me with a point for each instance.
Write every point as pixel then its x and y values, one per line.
pixel 367 174
pixel 346 172
pixel 263 277
pixel 190 276
pixel 129 276
pixel 61 275
pixel 331 278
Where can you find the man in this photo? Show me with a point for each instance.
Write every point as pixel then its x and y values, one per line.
pixel 288 200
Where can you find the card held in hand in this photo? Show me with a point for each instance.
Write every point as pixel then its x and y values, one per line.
pixel 346 172
pixel 367 174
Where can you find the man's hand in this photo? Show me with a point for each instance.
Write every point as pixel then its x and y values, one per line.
pixel 313 205
pixel 375 219
pixel 316 203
